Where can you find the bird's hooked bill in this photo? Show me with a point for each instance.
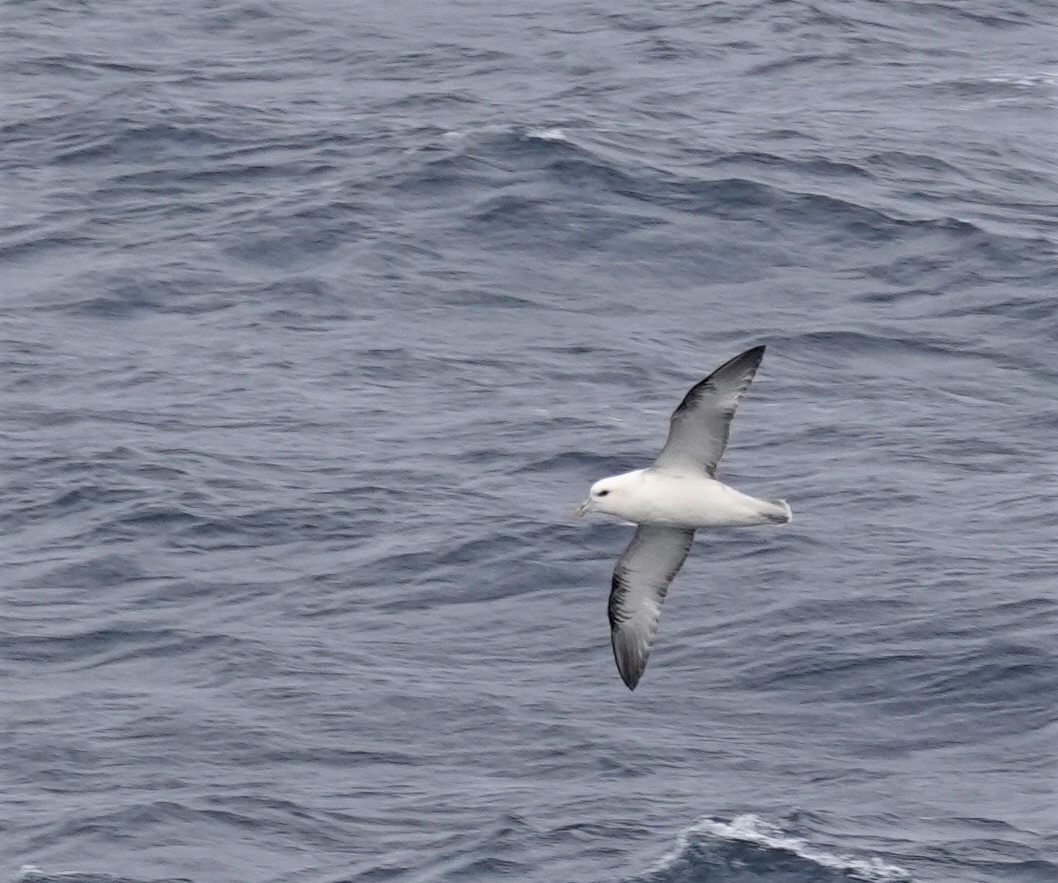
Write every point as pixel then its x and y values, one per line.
pixel 582 508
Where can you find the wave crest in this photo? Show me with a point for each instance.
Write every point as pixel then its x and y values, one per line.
pixel 749 843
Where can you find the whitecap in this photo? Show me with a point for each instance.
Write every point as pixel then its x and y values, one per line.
pixel 1037 80
pixel 30 873
pixel 755 830
pixel 546 134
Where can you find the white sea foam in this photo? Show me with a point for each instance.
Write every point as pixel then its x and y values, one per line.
pixel 1043 78
pixel 547 134
pixel 34 874
pixel 752 829
pixel 29 873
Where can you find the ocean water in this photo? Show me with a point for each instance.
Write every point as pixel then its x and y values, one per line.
pixel 317 319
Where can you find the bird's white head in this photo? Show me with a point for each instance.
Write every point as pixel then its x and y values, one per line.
pixel 609 495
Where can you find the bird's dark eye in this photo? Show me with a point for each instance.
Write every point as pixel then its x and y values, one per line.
pixel 603 493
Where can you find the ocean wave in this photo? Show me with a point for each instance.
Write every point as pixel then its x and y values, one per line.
pixel 755 849
pixel 34 874
pixel 320 320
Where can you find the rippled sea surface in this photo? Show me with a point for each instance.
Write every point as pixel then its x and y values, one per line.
pixel 316 321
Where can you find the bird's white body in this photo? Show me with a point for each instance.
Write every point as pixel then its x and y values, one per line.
pixel 679 498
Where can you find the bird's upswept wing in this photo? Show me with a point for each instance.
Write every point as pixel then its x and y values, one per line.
pixel 640 582
pixel 699 427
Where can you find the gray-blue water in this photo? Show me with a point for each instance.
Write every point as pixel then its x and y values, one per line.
pixel 317 319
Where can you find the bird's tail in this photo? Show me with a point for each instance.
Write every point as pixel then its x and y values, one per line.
pixel 780 512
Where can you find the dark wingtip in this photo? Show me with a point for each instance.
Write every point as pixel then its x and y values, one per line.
pixel 755 352
pixel 628 666
pixel 745 361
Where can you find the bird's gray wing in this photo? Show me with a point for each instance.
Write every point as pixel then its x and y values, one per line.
pixel 640 582
pixel 699 427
